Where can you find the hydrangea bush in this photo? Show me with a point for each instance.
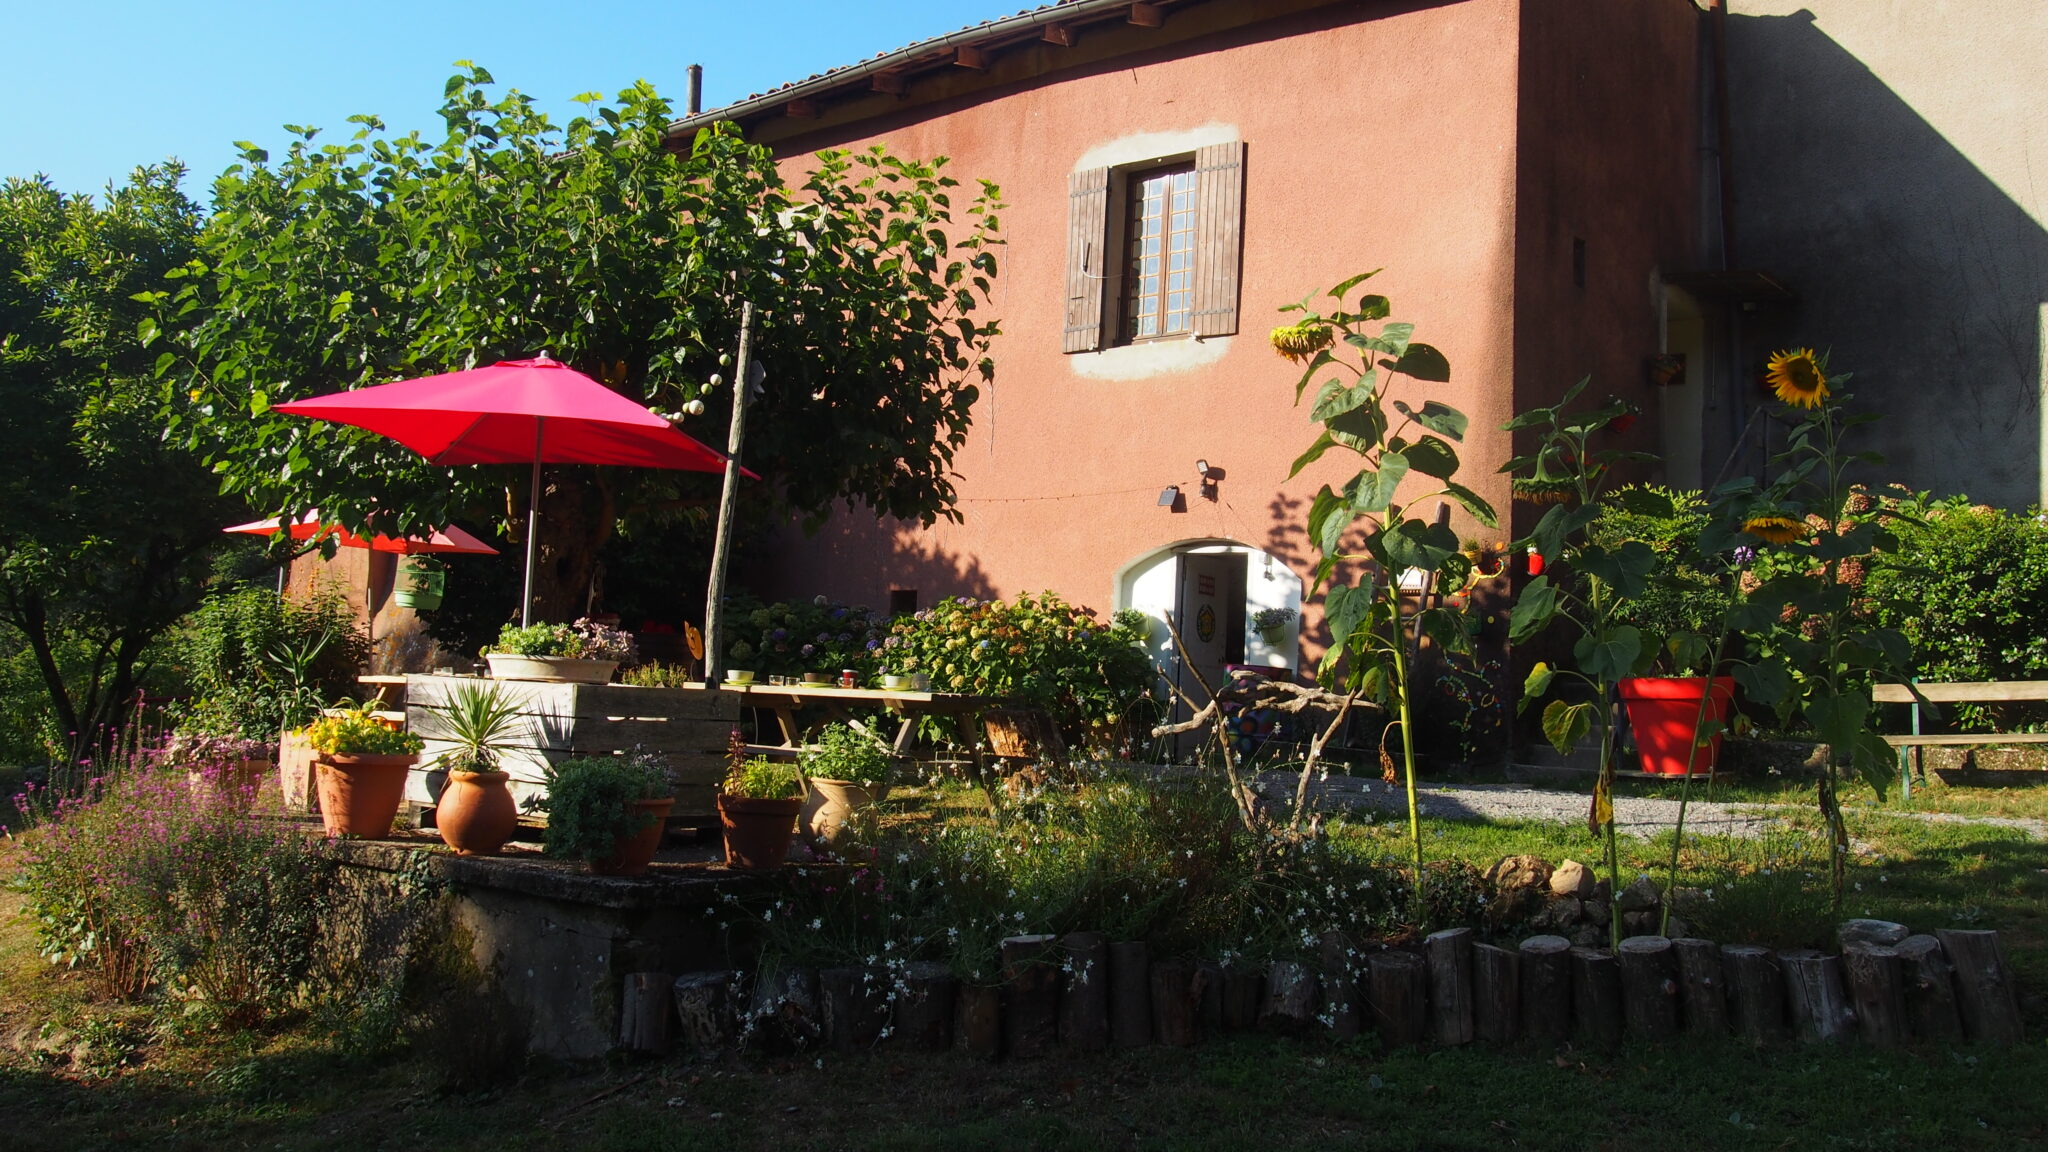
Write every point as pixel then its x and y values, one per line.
pixel 793 637
pixel 1040 650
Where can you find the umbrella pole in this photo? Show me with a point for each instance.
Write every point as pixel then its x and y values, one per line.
pixel 532 523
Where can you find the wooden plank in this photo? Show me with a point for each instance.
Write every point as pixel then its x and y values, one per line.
pixel 1970 692
pixel 1958 739
pixel 1219 237
pixel 1087 258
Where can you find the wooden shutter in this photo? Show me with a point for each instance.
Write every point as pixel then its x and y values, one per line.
pixel 1219 236
pixel 1087 260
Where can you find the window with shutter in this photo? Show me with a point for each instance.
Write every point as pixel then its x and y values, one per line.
pixel 1153 251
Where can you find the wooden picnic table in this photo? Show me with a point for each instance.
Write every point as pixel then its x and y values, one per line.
pixel 783 700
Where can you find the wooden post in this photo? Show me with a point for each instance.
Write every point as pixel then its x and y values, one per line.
pixel 1699 977
pixel 704 1011
pixel 1244 989
pixel 1290 998
pixel 923 1017
pixel 1209 993
pixel 1496 994
pixel 1814 996
pixel 1174 1003
pixel 1985 992
pixel 1596 996
pixel 784 1009
pixel 646 1012
pixel 1031 995
pixel 1450 985
pixel 1877 988
pixel 728 500
pixel 1400 997
pixel 1546 965
pixel 1650 990
pixel 1756 992
pixel 1084 1005
pixel 1341 1013
pixel 1931 1010
pixel 1130 994
pixel 978 1020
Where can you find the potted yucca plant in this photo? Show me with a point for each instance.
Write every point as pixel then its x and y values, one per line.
pixel 362 763
pixel 476 813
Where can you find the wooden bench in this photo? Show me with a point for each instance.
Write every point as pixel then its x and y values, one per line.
pixel 1966 692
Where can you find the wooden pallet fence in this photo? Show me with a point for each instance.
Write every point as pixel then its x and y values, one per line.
pixel 1082 993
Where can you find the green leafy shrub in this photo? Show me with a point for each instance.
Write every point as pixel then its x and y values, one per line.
pixel 148 884
pixel 817 635
pixel 1685 592
pixel 843 754
pixel 763 779
pixel 590 802
pixel 1968 587
pixel 1038 649
pixel 258 664
pixel 586 639
pixel 359 733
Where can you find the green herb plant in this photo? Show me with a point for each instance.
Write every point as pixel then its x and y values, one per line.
pixel 841 753
pixel 759 778
pixel 590 802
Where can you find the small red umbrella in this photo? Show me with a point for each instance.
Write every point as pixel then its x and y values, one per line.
pixel 537 411
pixel 309 527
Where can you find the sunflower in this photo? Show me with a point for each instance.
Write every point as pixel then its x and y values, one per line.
pixel 1774 527
pixel 1545 490
pixel 1299 342
pixel 1799 377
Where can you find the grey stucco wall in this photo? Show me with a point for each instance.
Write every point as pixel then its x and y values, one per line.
pixel 1891 165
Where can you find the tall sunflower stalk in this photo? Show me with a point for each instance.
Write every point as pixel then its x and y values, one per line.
pixel 1405 460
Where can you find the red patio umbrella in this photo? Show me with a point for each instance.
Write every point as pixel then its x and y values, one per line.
pixel 308 527
pixel 535 412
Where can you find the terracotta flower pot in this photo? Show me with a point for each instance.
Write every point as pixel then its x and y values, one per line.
pixel 633 852
pixel 829 803
pixel 477 813
pixel 757 832
pixel 359 795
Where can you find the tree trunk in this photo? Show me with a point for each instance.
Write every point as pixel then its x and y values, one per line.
pixel 577 518
pixel 1699 972
pixel 704 1010
pixel 1877 987
pixel 646 1012
pixel 1341 1014
pixel 978 1020
pixel 1496 994
pixel 1290 998
pixel 1596 996
pixel 1813 993
pixel 1031 994
pixel 1400 998
pixel 924 1007
pixel 1084 1005
pixel 1930 991
pixel 1546 965
pixel 1130 994
pixel 1174 1003
pixel 1244 990
pixel 1450 985
pixel 1990 1003
pixel 1756 992
pixel 1649 987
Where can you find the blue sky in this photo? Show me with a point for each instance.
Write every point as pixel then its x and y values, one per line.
pixel 100 87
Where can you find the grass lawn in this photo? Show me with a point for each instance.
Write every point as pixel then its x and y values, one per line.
pixel 159 1075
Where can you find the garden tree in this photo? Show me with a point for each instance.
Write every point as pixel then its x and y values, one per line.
pixel 104 525
pixel 1406 460
pixel 386 257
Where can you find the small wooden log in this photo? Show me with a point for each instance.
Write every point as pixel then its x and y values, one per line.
pixel 1400 997
pixel 1209 991
pixel 703 1003
pixel 784 1010
pixel 1084 1004
pixel 1877 987
pixel 646 1011
pixel 1130 994
pixel 1814 996
pixel 1496 994
pixel 923 1018
pixel 1596 997
pixel 1174 1004
pixel 1449 953
pixel 1984 987
pixel 978 1020
pixel 1290 998
pixel 1649 988
pixel 1546 965
pixel 1031 995
pixel 1931 1010
pixel 1244 989
pixel 837 990
pixel 1699 976
pixel 1341 1013
pixel 1756 992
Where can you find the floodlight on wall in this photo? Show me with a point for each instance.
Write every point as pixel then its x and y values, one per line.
pixel 1202 468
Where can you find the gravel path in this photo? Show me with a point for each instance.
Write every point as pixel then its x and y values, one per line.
pixel 1634 816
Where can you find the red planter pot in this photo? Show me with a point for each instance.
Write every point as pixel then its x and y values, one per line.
pixel 1662 711
pixel 757 832
pixel 359 795
pixel 633 853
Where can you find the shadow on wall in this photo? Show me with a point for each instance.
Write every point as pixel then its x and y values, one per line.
pixel 1913 268
pixel 850 562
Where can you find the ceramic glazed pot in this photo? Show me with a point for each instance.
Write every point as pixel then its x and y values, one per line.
pixel 359 795
pixel 828 804
pixel 757 832
pixel 561 669
pixel 477 813
pixel 633 852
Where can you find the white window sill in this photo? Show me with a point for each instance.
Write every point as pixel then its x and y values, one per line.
pixel 1151 358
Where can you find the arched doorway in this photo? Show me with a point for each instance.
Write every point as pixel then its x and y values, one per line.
pixel 1211 589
